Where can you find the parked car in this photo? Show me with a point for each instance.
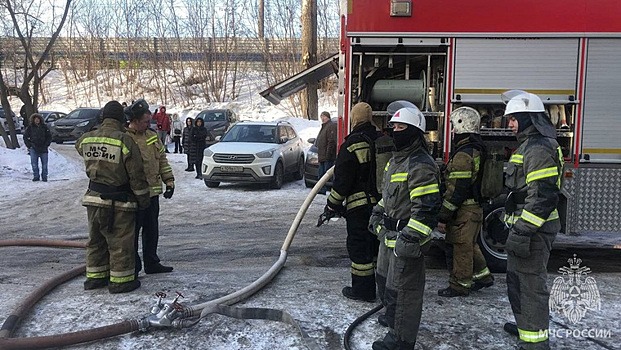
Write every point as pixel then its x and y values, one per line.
pixel 260 152
pixel 76 123
pixel 217 121
pixel 311 166
pixel 50 116
pixel 19 125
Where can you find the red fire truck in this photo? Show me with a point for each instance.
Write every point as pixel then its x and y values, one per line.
pixel 443 54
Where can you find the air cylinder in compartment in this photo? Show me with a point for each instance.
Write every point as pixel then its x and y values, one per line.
pixel 387 91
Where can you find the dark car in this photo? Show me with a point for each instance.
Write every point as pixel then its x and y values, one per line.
pixel 217 121
pixel 76 123
pixel 311 166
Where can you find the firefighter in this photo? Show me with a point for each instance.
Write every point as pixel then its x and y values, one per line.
pixel 117 188
pixel 533 176
pixel 157 170
pixel 461 215
pixel 354 183
pixel 408 212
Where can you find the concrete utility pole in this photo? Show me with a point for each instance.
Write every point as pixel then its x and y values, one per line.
pixel 261 19
pixel 309 56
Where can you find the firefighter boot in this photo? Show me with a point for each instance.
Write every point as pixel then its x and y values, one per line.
pixel 348 292
pixel 484 283
pixel 126 287
pixel 388 343
pixel 95 283
pixel 362 288
pixel 511 328
pixel 450 292
pixel 382 320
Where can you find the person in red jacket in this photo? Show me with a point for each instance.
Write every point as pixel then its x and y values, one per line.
pixel 163 125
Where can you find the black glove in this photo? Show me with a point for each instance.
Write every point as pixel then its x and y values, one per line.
pixel 328 213
pixel 169 192
pixel 518 244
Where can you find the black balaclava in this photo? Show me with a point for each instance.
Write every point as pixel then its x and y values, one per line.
pixel 405 138
pixel 523 119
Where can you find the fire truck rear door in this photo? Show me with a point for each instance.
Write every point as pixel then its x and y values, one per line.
pixel 602 112
pixel 486 67
pixel 299 81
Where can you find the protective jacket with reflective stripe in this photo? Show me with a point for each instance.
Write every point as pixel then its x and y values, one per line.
pixel 354 170
pixel 156 166
pixel 462 179
pixel 112 158
pixel 412 191
pixel 533 176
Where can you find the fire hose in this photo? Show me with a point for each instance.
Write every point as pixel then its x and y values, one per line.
pixel 162 315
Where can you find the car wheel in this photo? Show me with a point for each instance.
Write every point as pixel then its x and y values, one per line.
pixel 278 177
pixel 212 184
pixel 299 174
pixel 493 236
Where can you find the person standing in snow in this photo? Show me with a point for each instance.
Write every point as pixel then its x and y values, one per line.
pixel 163 125
pixel 326 147
pixel 117 188
pixel 157 170
pixel 198 145
pixel 38 138
pixel 186 142
pixel 404 219
pixel 177 127
pixel 354 193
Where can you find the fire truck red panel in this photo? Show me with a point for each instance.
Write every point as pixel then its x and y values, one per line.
pixel 484 16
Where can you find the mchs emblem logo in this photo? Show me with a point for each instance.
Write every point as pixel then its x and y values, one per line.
pixel 574 293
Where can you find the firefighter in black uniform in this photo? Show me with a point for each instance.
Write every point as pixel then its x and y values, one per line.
pixel 534 178
pixel 355 185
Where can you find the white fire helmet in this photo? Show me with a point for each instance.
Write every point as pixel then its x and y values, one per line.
pixel 465 120
pixel 411 116
pixel 521 101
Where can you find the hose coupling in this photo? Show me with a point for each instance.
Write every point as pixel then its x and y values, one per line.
pixel 163 314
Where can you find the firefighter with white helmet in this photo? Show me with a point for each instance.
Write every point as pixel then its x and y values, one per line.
pixel 461 215
pixel 533 176
pixel 407 211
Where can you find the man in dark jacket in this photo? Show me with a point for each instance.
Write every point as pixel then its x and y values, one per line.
pixel 533 177
pixel 326 147
pixel 198 145
pixel 38 138
pixel 355 184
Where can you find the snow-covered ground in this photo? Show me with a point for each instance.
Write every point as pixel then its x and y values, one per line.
pixel 220 240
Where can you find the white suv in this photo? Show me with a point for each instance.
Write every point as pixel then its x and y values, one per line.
pixel 262 152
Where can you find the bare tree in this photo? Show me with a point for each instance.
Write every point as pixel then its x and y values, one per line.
pixel 309 55
pixel 26 19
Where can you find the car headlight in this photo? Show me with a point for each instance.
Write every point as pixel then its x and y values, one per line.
pixel 208 152
pixel 82 124
pixel 266 154
pixel 312 158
